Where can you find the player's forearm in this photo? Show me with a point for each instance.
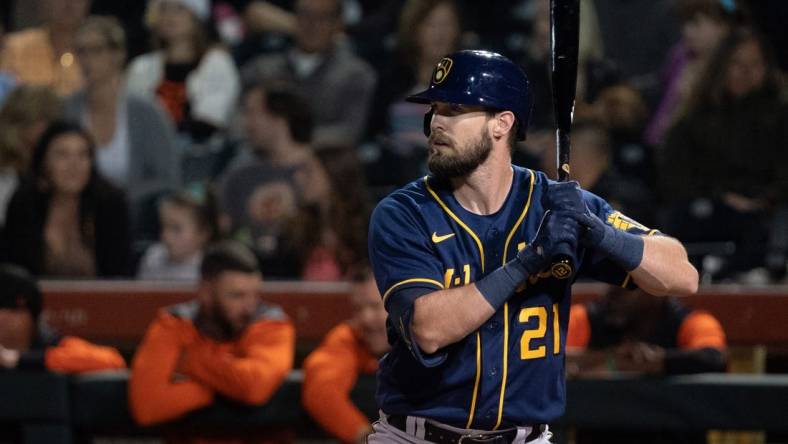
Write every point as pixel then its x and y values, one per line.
pixel 447 316
pixel 665 269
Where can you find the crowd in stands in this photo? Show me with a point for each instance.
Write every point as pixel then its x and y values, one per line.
pixel 132 141
pixel 283 122
pixel 250 105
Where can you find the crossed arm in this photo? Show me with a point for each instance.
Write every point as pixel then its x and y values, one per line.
pixel 447 316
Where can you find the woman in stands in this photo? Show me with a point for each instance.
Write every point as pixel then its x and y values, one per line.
pixel 66 220
pixel 194 79
pixel 329 233
pixel 135 140
pixel 724 166
pixel 25 114
pixel 427 31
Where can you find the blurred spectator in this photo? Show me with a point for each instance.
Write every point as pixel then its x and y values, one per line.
pixel 66 220
pixel 622 110
pixel 536 62
pixel 45 55
pixel 189 221
pixel 265 16
pixel 25 115
pixel 267 26
pixel 428 30
pixel 136 148
pixel 372 27
pixel 724 167
pixel 536 59
pixel 705 23
pixel 628 332
pixel 26 342
pixel 592 167
pixel 226 343
pixel 272 177
pixel 633 331
pixel 349 349
pixel 638 58
pixel 195 79
pixel 337 84
pixel 329 234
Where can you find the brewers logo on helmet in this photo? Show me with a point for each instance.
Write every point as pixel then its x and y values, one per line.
pixel 442 70
pixel 479 78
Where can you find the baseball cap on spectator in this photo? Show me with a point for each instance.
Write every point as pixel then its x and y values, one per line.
pixel 19 290
pixel 200 8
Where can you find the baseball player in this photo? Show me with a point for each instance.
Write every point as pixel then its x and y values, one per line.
pixel 477 320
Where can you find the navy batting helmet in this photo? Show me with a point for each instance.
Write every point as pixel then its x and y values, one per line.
pixel 480 78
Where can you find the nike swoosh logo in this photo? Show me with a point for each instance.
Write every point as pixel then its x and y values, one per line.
pixel 438 239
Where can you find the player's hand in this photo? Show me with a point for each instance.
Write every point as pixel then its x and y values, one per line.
pixel 557 227
pixel 594 230
pixel 625 249
pixel 565 196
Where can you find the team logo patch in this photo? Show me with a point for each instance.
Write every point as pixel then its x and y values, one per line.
pixel 442 70
pixel 560 270
pixel 624 223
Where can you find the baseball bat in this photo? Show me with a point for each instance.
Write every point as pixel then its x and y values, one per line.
pixel 564 42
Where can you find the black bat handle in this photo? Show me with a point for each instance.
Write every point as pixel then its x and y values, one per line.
pixel 564 32
pixel 562 159
pixel 562 264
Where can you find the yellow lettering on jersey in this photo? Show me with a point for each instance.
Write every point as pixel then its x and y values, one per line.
pixel 539 332
pixel 466 269
pixel 526 352
pixel 447 277
pixel 624 223
pixel 556 331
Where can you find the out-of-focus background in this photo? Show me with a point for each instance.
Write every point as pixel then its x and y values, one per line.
pixel 135 133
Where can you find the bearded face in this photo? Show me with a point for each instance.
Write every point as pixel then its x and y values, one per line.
pixel 450 158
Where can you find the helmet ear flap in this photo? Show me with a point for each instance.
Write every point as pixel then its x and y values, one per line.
pixel 428 122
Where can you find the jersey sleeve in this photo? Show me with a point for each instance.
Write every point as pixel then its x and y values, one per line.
pixel 405 266
pixel 596 265
pixel 401 252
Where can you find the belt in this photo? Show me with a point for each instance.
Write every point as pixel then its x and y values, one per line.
pixel 439 435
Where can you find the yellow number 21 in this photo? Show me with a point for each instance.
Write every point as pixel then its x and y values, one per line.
pixel 540 313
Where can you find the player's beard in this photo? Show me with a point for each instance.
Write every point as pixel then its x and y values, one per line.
pixel 456 161
pixel 215 323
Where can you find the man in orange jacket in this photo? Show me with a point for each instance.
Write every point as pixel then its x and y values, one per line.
pixel 632 331
pixel 225 343
pixel 26 342
pixel 349 349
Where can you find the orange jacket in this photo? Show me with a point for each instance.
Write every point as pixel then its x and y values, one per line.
pixel 699 329
pixel 330 372
pixel 177 370
pixel 75 355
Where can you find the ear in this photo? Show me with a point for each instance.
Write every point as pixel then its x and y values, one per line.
pixel 503 124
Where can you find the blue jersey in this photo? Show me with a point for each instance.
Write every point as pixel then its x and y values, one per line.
pixel 511 370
